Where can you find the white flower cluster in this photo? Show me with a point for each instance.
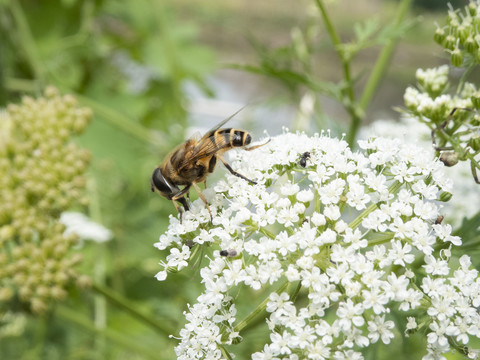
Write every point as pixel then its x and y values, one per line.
pixel 434 80
pixel 430 101
pixel 431 105
pixel 465 189
pixel 337 246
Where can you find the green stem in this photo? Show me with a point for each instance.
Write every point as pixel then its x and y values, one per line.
pixel 265 232
pixel 27 41
pixel 22 85
pixel 128 307
pixel 383 60
pixel 357 109
pixel 350 104
pixel 122 340
pixel 381 238
pixel 225 353
pixel 258 313
pixel 99 301
pixel 295 291
pixel 392 189
pixel 463 79
pixel 376 75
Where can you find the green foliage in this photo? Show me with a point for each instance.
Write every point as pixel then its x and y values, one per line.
pixel 292 64
pixel 129 62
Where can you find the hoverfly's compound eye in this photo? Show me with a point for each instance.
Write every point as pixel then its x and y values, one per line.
pixel 160 183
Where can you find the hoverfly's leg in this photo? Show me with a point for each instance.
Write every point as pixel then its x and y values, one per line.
pixel 233 172
pixel 181 199
pixel 179 209
pixel 257 146
pixel 184 203
pixel 203 199
pixel 182 192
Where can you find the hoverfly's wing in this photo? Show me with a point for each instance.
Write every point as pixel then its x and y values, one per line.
pixel 223 122
pixel 208 144
pixel 205 147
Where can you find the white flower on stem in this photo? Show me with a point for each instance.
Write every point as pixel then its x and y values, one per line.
pixel 380 329
pixel 444 231
pixel 350 233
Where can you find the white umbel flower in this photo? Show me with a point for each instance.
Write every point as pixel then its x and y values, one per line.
pixel 349 232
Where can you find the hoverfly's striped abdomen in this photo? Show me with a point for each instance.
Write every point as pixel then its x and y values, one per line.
pixel 230 138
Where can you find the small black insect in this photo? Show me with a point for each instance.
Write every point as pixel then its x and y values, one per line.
pixel 228 253
pixel 303 159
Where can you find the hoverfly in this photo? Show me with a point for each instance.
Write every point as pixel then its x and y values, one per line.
pixel 191 162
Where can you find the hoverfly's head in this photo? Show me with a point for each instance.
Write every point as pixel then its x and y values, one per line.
pixel 164 187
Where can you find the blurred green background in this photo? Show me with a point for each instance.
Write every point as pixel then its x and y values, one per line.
pixel 153 72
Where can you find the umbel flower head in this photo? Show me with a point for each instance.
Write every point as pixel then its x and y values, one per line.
pixel 341 244
pixel 42 174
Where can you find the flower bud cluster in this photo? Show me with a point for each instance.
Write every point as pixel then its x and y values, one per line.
pixel 460 36
pixel 42 175
pixel 453 119
pixel 410 130
pixel 336 243
pixel 429 101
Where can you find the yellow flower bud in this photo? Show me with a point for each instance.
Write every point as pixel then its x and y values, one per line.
pixel 84 282
pixel 6 293
pixel 38 306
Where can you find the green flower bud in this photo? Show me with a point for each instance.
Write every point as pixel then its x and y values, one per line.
pixel 474 142
pixel 472 8
pixel 470 45
pixel 60 278
pixel 19 278
pixel 42 291
pixel 48 277
pixel 456 57
pixel 25 292
pixel 453 19
pixel 84 282
pixel 462 31
pixel 439 36
pixel 46 174
pixel 445 196
pixel 475 99
pixel 38 306
pixel 450 42
pixel 51 92
pixel 6 233
pixel 57 293
pixel 475 120
pixel 6 293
